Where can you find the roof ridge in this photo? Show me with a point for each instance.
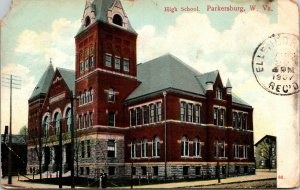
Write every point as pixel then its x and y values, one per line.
pixel 65 69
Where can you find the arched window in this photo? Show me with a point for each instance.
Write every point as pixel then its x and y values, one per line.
pixel 144 148
pixel 117 19
pixel 80 98
pixel 46 123
pixel 87 97
pixel 87 21
pixel 133 148
pixel 57 119
pixel 197 147
pixel 184 146
pixel 155 147
pixel 68 117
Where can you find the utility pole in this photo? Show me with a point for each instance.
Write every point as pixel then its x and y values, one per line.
pixel 13 84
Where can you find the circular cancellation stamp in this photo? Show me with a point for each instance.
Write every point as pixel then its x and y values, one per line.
pixel 275 64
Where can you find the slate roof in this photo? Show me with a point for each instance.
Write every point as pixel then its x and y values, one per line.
pixel 273 138
pixel 69 77
pixel 167 72
pixel 101 7
pixel 16 139
pixel 44 83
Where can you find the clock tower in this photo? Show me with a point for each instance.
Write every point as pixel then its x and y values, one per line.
pixel 105 64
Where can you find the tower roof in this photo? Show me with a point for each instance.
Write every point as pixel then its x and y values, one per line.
pixel 100 10
pixel 44 83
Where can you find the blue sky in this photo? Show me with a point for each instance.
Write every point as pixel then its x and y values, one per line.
pixel 34 31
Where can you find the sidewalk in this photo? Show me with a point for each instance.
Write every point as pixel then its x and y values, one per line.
pixel 259 176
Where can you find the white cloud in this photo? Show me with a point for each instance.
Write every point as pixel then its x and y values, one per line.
pixel 195 41
pixel 19 98
pixel 58 43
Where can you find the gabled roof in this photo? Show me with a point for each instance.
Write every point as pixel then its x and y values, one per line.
pixel 44 83
pixel 100 8
pixel 69 78
pixel 266 137
pixel 167 72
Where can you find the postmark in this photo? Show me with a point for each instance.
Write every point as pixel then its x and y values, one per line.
pixel 275 64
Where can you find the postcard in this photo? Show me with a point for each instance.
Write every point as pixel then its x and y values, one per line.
pixel 149 94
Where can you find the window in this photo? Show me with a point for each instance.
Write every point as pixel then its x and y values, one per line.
pixel 155 170
pixel 132 117
pixel 145 114
pixel 92 61
pixel 87 63
pixel 107 60
pixel 87 170
pixel 183 111
pixel 133 170
pixel 81 170
pixel 144 148
pixel 111 119
pixel 57 120
pixel 240 116
pixel 117 19
pixel 46 124
pixel 197 113
pixel 245 121
pixel 273 151
pixel 152 113
pixel 88 148
pixel 223 149
pixel 91 119
pixel 234 120
pixel 184 146
pixel 111 170
pixel 126 65
pixel 155 147
pixel 111 149
pixel 91 94
pixel 117 63
pixel 87 21
pixel 236 150
pixel 215 116
pixel 158 111
pixel 144 170
pixel 81 66
pixel 82 149
pixel 219 94
pixel 197 147
pixel 84 121
pixel 111 95
pixel 190 113
pixel 216 148
pixel 68 120
pixel 133 148
pixel 244 151
pixel 185 170
pixel 262 162
pixel 222 116
pixel 138 116
pixel 197 170
pixel 79 122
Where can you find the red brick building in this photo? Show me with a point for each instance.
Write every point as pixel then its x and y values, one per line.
pixel 157 118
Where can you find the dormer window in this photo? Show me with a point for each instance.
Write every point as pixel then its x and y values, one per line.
pixel 117 19
pixel 87 21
